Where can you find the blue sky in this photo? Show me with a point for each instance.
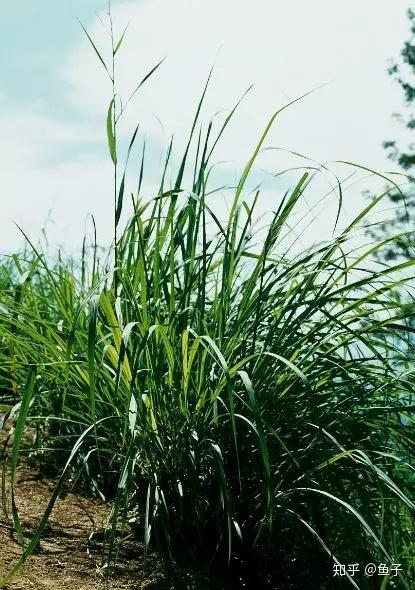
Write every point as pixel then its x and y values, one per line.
pixel 54 96
pixel 34 36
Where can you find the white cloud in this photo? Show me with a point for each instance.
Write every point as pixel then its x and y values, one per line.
pixel 285 49
pixel 36 182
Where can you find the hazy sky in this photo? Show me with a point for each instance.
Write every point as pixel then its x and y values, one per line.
pixel 54 94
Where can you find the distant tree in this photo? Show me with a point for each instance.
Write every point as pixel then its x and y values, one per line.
pixel 403 219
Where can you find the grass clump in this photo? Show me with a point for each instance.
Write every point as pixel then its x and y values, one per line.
pixel 242 407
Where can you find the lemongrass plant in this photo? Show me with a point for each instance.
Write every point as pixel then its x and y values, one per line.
pixel 233 402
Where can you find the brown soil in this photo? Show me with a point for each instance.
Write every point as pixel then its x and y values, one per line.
pixel 66 559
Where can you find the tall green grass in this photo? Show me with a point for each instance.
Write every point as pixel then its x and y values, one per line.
pixel 234 401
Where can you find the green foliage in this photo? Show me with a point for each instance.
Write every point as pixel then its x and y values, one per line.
pixel 404 200
pixel 228 397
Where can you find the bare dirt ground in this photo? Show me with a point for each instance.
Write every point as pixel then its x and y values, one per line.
pixel 66 560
